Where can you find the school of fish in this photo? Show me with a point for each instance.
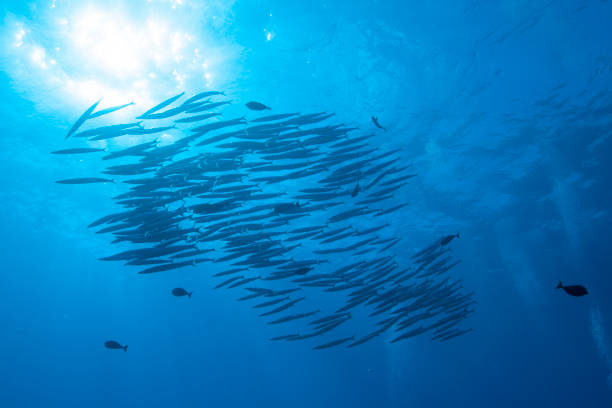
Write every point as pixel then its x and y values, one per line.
pixel 292 210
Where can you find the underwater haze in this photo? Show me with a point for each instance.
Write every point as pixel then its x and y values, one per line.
pixel 306 204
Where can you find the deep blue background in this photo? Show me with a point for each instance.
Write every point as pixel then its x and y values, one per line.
pixel 464 88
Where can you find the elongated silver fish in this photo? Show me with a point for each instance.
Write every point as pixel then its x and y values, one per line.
pixel 109 110
pixel 79 150
pixel 161 105
pixel 85 180
pixel 82 118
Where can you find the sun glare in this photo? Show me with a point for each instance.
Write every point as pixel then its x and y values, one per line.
pixel 128 55
pixel 110 42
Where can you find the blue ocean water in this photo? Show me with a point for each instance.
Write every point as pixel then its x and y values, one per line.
pixel 503 109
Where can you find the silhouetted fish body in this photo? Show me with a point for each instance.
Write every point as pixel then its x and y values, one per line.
pixel 573 290
pixel 113 345
pixel 256 106
pixel 178 292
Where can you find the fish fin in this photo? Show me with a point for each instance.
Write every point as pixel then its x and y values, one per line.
pixel 458 235
pixel 125 348
pixel 559 285
pixel 189 294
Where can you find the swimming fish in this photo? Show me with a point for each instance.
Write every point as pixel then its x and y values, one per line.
pixel 85 180
pixel 178 292
pixel 377 124
pixel 256 106
pixel 82 118
pixel 79 150
pixel 263 194
pixel 113 345
pixel 447 239
pixel 573 290
pixel 160 105
pixel 109 110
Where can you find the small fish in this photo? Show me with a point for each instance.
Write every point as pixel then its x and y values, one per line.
pixel 573 290
pixel 274 117
pixel 333 343
pixel 113 345
pixel 179 292
pixel 202 95
pixel 162 105
pixel 198 118
pixel 79 150
pixel 256 106
pixel 85 180
pixel 109 110
pixel 447 239
pixel 82 118
pixel 375 121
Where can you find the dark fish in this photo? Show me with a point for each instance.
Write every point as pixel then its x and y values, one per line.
pixel 202 95
pixel 109 110
pixel 333 343
pixel 256 106
pixel 198 118
pixel 285 337
pixel 161 105
pixel 355 190
pixel 375 121
pixel 113 345
pixel 447 239
pixel 574 290
pixel 363 339
pixel 455 334
pixel 85 180
pixel 82 119
pixel 107 132
pixel 79 150
pixel 178 292
pixel 274 117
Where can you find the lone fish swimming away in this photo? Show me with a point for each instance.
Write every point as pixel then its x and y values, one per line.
pixel 178 292
pixel 377 124
pixel 573 290
pixel 256 106
pixel 113 345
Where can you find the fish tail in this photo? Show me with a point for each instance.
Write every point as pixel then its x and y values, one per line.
pixel 125 348
pixel 458 235
pixel 189 294
pixel 559 285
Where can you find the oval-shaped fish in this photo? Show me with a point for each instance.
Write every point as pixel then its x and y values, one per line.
pixel 180 292
pixel 113 345
pixel 256 106
pixel 573 290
